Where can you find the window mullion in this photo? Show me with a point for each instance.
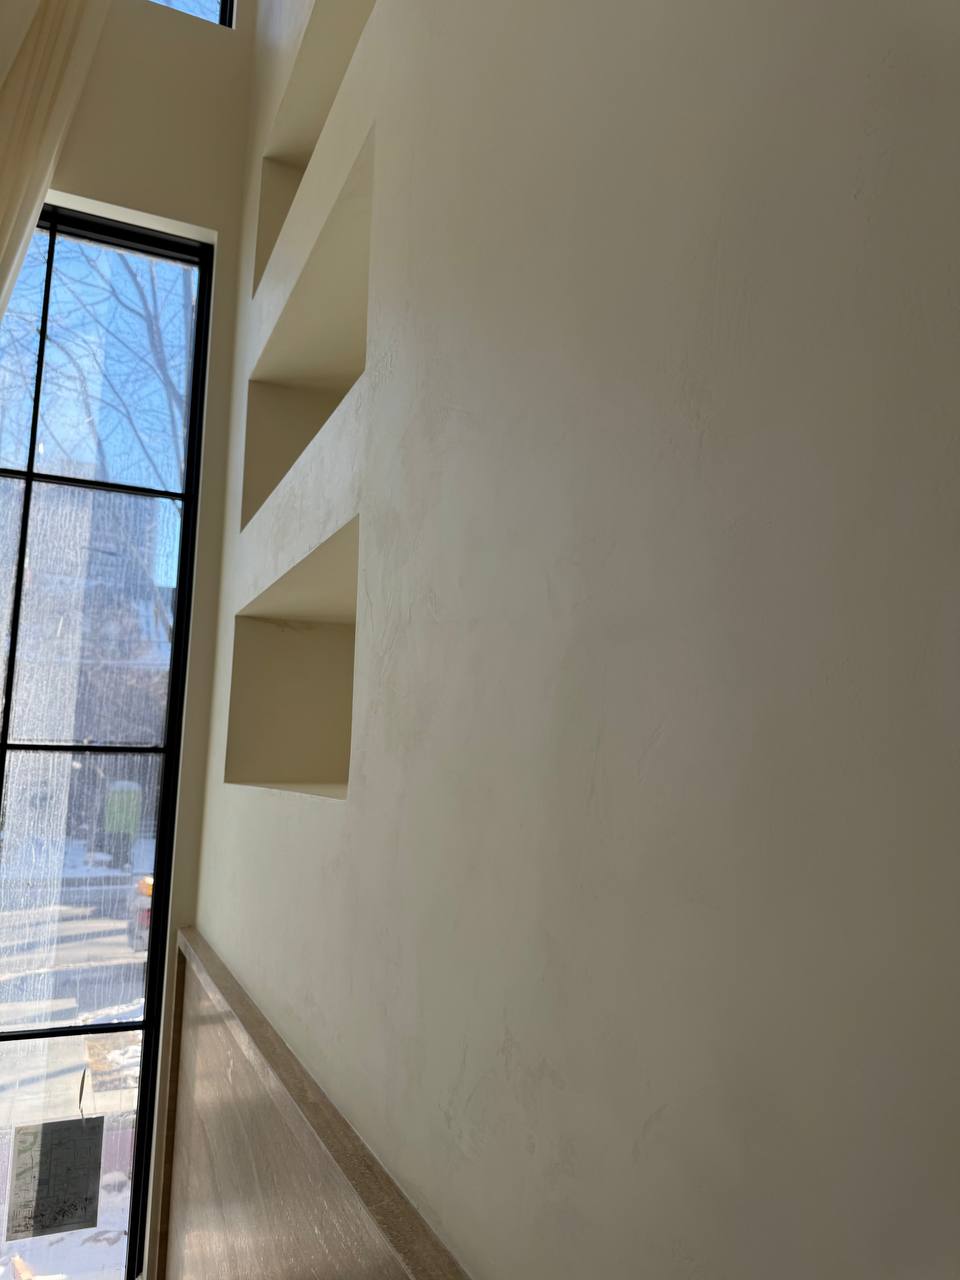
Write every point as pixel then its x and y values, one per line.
pixel 55 1031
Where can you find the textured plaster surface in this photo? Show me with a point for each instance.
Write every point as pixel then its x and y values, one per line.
pixel 632 949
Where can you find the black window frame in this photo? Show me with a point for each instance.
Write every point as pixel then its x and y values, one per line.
pixel 56 220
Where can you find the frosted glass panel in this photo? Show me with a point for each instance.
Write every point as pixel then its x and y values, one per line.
pixel 40 1084
pixel 116 372
pixel 78 844
pixel 96 623
pixel 19 340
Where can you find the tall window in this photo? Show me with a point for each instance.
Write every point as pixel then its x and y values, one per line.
pixel 101 377
pixel 220 11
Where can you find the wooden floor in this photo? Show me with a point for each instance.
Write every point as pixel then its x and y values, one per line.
pixel 267 1179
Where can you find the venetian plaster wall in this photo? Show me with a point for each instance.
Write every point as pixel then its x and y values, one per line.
pixel 632 949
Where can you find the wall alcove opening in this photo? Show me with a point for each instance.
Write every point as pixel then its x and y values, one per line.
pixel 291 696
pixel 326 48
pixel 318 347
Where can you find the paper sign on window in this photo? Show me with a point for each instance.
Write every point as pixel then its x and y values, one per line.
pixel 55 1178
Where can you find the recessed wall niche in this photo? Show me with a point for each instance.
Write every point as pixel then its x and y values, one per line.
pixel 318 347
pixel 326 47
pixel 279 183
pixel 291 696
pixel 281 422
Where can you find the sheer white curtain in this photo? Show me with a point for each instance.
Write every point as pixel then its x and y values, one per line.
pixel 37 99
pixel 15 17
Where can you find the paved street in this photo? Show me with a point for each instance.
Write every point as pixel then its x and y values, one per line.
pixel 67 964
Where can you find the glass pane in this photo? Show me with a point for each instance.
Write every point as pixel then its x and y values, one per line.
pixel 40 1208
pixel 77 844
pixel 96 621
pixel 19 340
pixel 116 369
pixel 11 507
pixel 209 9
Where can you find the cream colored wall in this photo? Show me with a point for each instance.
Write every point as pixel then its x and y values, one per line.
pixel 159 138
pixel 632 950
